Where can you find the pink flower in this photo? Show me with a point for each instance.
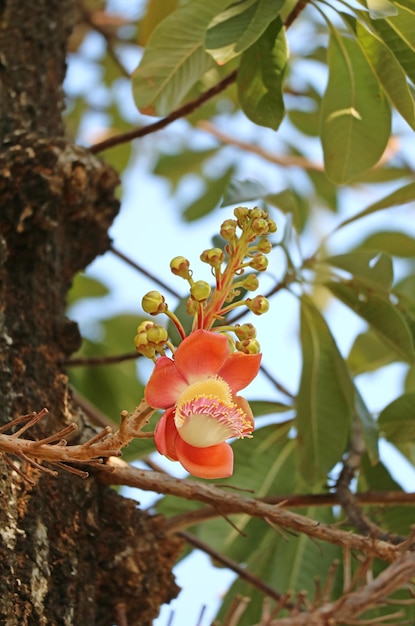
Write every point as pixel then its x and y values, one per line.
pixel 198 390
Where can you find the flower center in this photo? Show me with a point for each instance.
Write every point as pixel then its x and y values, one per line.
pixel 206 415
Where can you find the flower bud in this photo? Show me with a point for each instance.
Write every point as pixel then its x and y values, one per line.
pixel 200 290
pixel 214 256
pixel 259 262
pixel 251 282
pixel 180 266
pixel 248 346
pixel 264 246
pixel 258 305
pixel 228 230
pixel 242 215
pixel 153 303
pixel 272 227
pixel 259 226
pixel 192 306
pixel 157 335
pixel 245 331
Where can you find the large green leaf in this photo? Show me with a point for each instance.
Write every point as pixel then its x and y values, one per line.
pixel 355 116
pixel 389 72
pixel 381 8
pixel 84 287
pixel 237 28
pixel 325 398
pixel 260 77
pixel 379 312
pixel 369 266
pixel 174 58
pixel 401 196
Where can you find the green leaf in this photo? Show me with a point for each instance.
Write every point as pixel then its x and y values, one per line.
pixel 396 41
pixel 389 72
pixel 176 166
pixel 237 28
pixel 239 191
pixel 174 58
pixel 369 426
pixel 355 116
pixel 260 77
pixel 393 242
pixel 324 400
pixel 401 196
pixel 372 268
pixel 155 13
pixel 266 407
pixel 84 287
pixel 378 311
pixel 210 198
pixel 397 420
pixel 369 353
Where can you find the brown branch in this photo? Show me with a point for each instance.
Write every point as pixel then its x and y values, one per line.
pixel 92 361
pixel 285 160
pixel 232 503
pixel 352 605
pixel 144 272
pixel 180 112
pixel 299 7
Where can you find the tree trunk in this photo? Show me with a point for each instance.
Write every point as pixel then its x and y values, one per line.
pixel 71 550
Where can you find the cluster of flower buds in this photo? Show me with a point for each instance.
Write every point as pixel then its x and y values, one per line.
pixel 234 269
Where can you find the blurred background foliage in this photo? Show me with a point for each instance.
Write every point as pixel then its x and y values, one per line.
pixel 316 126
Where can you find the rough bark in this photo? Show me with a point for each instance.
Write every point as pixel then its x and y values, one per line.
pixel 71 551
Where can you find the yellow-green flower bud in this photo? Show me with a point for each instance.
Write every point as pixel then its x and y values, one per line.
pixel 272 227
pixel 259 263
pixel 180 266
pixel 242 215
pixel 200 290
pixel 251 282
pixel 257 213
pixel 148 351
pixel 228 230
pixel 157 335
pixel 258 305
pixel 214 256
pixel 245 331
pixel 259 226
pixel 144 326
pixel 248 346
pixel 264 246
pixel 140 340
pixel 153 303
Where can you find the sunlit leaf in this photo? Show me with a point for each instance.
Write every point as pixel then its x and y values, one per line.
pixel 260 77
pixel 369 266
pixel 397 42
pixel 355 117
pixel 237 28
pixel 379 312
pixel 155 13
pixel 381 8
pixel 324 399
pixel 174 58
pixel 210 198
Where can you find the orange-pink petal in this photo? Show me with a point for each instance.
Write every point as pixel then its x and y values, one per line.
pixel 165 435
pixel 240 369
pixel 165 384
pixel 212 462
pixel 201 354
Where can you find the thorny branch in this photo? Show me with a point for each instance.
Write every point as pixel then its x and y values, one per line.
pixel 54 449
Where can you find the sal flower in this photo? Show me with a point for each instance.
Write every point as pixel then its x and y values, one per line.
pixel 198 390
pixel 197 387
